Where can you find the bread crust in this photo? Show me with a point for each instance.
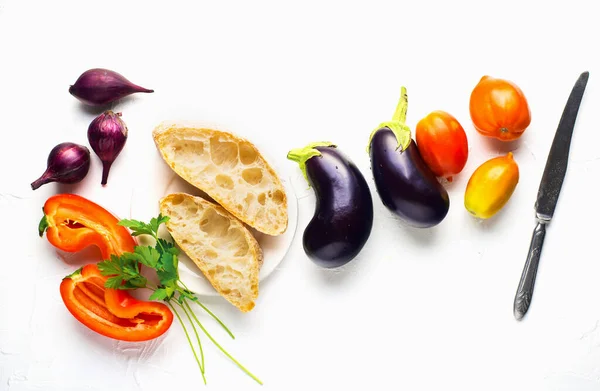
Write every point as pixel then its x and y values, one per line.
pixel 197 242
pixel 264 207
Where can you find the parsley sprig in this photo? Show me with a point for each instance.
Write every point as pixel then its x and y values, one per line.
pixel 124 273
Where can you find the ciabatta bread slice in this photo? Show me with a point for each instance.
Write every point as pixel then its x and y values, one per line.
pixel 218 243
pixel 230 170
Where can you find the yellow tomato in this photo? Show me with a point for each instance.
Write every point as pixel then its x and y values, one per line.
pixel 491 186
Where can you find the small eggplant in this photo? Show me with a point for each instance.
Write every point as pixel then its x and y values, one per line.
pixel 343 216
pixel 405 184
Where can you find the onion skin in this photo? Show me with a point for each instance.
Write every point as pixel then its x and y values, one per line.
pixel 99 87
pixel 67 163
pixel 491 185
pixel 107 135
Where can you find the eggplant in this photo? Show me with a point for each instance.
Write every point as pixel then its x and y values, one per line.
pixel 404 182
pixel 343 217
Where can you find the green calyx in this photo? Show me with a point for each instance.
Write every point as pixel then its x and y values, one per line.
pixel 301 155
pixel 397 125
pixel 75 273
pixel 43 226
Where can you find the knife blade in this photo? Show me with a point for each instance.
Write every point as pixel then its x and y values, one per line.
pixel 548 192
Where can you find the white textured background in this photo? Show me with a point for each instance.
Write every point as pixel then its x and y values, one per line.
pixel 417 310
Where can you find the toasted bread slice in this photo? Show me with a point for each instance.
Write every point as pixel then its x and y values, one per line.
pixel 228 169
pixel 218 243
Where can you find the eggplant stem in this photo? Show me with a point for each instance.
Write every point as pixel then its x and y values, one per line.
pixel 301 155
pixel 105 170
pixel 402 107
pixel 397 125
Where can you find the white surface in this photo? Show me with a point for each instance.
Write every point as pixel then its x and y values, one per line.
pixel 144 206
pixel 417 310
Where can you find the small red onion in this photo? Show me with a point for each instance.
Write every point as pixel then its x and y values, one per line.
pixel 67 163
pixel 98 87
pixel 107 135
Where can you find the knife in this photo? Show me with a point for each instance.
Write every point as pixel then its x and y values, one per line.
pixel 547 197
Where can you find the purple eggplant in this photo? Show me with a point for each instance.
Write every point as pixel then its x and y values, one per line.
pixel 343 216
pixel 404 182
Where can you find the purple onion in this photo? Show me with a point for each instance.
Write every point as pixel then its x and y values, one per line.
pixel 107 135
pixel 67 163
pixel 98 87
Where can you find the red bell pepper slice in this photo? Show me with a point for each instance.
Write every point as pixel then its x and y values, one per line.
pixel 72 223
pixel 112 313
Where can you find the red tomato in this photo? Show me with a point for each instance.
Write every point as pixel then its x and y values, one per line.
pixel 443 144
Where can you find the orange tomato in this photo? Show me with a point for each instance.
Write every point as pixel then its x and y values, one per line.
pixel 443 144
pixel 499 109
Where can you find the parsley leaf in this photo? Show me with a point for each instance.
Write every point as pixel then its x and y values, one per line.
pixel 135 283
pixel 110 267
pixel 159 294
pixel 147 255
pixel 167 246
pixel 140 228
pixel 166 270
pixel 114 282
pixel 137 227
pixel 124 272
pixel 170 289
pixel 155 222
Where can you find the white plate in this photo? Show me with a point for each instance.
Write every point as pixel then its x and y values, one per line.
pixel 145 201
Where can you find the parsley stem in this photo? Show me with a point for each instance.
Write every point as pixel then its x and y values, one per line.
pixel 215 317
pixel 155 235
pixel 187 335
pixel 221 348
pixel 197 337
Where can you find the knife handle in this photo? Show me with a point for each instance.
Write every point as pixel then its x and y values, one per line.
pixel 525 289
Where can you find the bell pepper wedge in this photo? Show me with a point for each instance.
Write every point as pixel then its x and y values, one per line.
pixel 72 223
pixel 112 313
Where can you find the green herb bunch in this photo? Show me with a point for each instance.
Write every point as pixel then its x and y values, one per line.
pixel 124 273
